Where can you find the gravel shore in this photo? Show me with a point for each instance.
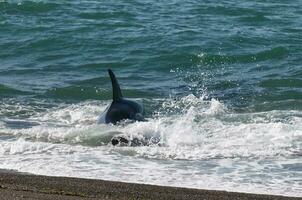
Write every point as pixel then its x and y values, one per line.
pixel 15 185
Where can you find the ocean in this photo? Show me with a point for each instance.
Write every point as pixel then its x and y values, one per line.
pixel 221 83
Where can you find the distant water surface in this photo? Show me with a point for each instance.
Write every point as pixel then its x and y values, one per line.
pixel 221 82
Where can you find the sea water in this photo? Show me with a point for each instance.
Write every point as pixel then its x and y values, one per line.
pixel 221 83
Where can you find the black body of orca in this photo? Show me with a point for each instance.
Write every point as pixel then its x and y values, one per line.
pixel 120 108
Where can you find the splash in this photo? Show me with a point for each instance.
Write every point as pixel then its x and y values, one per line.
pixel 198 139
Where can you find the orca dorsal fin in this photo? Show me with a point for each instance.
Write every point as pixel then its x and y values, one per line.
pixel 116 91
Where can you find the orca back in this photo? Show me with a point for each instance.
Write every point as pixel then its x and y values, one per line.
pixel 120 108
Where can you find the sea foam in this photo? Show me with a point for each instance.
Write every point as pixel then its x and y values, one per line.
pixel 201 142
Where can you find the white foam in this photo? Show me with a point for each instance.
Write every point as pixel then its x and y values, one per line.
pixel 202 145
pixel 106 163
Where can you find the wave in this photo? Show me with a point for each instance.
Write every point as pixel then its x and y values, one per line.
pixel 30 7
pixel 271 54
pixel 228 10
pixel 93 91
pixel 78 93
pixel 105 15
pixel 281 83
pixel 189 128
pixel 6 91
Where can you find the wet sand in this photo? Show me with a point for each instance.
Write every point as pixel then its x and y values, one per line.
pixel 15 185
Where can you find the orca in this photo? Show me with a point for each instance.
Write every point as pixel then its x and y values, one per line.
pixel 120 108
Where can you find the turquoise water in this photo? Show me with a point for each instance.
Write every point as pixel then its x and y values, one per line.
pixel 221 82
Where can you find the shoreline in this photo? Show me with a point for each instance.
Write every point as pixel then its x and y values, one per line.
pixel 16 185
